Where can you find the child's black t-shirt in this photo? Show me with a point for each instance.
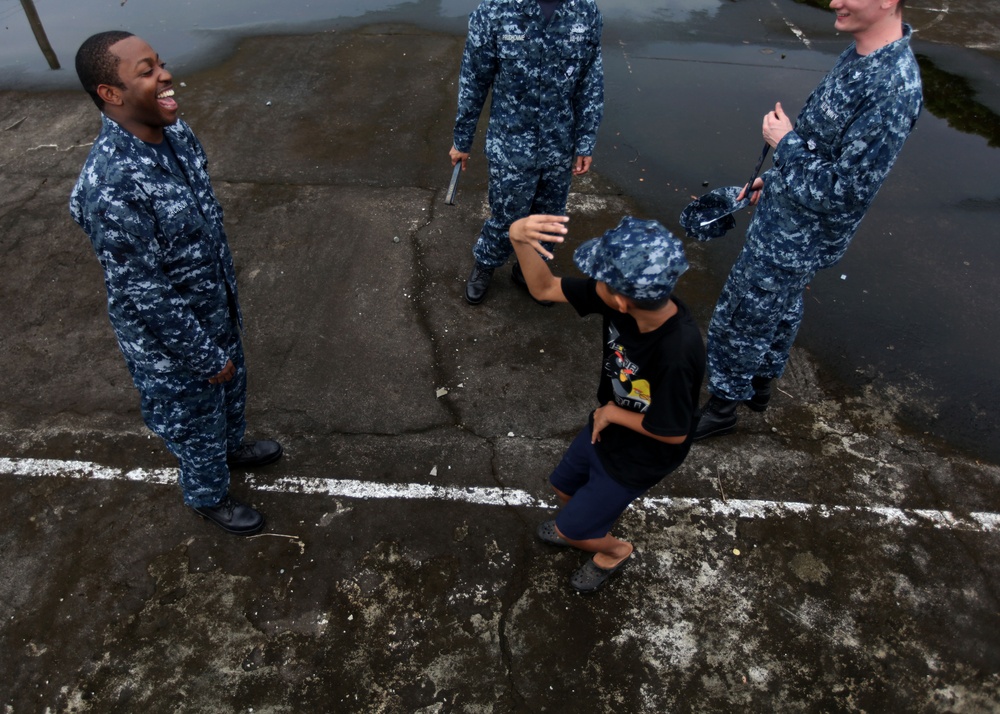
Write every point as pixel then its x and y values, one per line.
pixel 657 374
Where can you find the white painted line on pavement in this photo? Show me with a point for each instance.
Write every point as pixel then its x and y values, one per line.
pixel 369 490
pixel 494 496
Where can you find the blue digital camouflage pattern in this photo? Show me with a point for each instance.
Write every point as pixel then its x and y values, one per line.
pixel 826 173
pixel 754 325
pixel 714 209
pixel 828 169
pixel 514 194
pixel 200 423
pixel 547 79
pixel 167 266
pixel 639 259
pixel 171 287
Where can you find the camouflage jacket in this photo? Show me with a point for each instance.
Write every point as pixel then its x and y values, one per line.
pixel 829 168
pixel 547 80
pixel 158 235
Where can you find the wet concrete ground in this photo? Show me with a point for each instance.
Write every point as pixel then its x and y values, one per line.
pixel 823 559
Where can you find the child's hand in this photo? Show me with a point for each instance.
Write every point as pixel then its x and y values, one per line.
pixel 534 230
pixel 602 417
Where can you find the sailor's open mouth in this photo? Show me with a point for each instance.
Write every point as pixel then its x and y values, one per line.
pixel 166 99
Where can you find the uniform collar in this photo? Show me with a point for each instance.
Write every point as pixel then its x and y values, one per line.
pixel 874 62
pixel 132 146
pixel 531 9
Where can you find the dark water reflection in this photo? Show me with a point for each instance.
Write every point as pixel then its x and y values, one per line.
pixel 913 308
pixel 951 96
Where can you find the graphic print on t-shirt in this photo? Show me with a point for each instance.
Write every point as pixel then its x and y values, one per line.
pixel 630 392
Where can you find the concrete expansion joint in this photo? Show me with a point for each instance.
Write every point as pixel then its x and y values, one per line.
pixel 494 469
pixel 421 431
pixel 16 124
pixel 420 291
pixel 415 232
pixel 55 147
pixel 515 592
pixel 507 658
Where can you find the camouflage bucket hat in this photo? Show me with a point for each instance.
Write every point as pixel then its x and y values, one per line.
pixel 639 259
pixel 711 216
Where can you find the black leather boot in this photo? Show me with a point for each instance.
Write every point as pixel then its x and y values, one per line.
pixel 761 394
pixel 477 284
pixel 254 453
pixel 718 417
pixel 232 516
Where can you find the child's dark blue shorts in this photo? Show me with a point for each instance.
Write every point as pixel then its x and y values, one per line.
pixel 597 499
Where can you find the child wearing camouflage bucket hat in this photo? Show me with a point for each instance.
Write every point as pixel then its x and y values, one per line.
pixel 653 366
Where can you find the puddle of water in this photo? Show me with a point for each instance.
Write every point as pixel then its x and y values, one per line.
pixel 913 304
pixel 193 34
pixel 189 34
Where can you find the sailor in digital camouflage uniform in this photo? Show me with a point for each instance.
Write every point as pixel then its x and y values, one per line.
pixel 145 200
pixel 827 170
pixel 542 59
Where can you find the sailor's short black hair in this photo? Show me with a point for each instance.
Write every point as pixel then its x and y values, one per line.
pixel 96 64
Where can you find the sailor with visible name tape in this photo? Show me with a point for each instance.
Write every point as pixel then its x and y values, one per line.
pixel 542 59
pixel 827 169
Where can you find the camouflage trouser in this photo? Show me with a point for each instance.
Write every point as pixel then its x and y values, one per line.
pixel 753 326
pixel 516 193
pixel 200 423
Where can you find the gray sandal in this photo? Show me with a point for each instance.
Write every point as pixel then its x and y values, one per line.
pixel 589 577
pixel 547 534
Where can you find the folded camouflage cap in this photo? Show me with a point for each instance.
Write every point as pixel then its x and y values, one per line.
pixel 710 216
pixel 639 259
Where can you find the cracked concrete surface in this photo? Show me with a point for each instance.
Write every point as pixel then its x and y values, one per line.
pixel 117 599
